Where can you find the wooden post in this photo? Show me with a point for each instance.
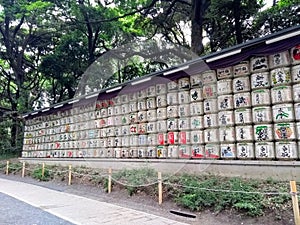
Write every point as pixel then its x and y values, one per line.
pixel 70 175
pixel 109 181
pixel 43 170
pixel 295 202
pixel 159 188
pixel 23 170
pixel 7 167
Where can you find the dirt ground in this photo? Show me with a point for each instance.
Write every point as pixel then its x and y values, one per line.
pixel 149 204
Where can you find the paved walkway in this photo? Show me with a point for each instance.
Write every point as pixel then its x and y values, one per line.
pixel 77 209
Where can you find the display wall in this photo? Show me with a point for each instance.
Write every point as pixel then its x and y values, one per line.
pixel 250 110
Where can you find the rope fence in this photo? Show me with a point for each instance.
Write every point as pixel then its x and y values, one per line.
pixel 72 173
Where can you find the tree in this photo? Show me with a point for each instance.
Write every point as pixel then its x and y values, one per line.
pixel 24 37
pixel 283 14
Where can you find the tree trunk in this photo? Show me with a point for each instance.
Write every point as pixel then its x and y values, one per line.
pixel 198 10
pixel 237 21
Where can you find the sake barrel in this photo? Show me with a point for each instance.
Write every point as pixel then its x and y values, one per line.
pixel 242 100
pixel 142 140
pixel 161 113
pixel 225 72
pixel 211 135
pixel 196 122
pixel 141 94
pixel 196 80
pixel 161 89
pixel 262 114
pixel 286 150
pixel 184 137
pixel 141 152
pixel 283 112
pixel 142 128
pixel 245 150
pixel 184 123
pixel 172 124
pixel 226 134
pixel 151 152
pixel 196 95
pixel 161 101
pixel 151 115
pixel 184 83
pixel 132 107
pixel 244 133
pixel 210 90
pixel 183 110
pixel 125 130
pixel 152 139
pixel 225 118
pixel 224 86
pixel 161 151
pixel 297 111
pixel 196 108
pixel 133 129
pixel 185 151
pixel 243 116
pixel 261 97
pixel 198 151
pixel 141 105
pixel 263 132
pixel 281 94
pixel 173 151
pixel 142 116
pixel 210 105
pixel 259 64
pixel 210 120
pixel 172 86
pixel 295 54
pixel 172 98
pixel 241 84
pixel 212 151
pixel 225 102
pixel 172 111
pixel 284 131
pixel 124 108
pixel 125 141
pixel 281 76
pixel 228 150
pixel 264 150
pixel 296 93
pixel 279 59
pixel 197 136
pixel 161 125
pixel 209 77
pixel 124 98
pixel 241 69
pixel 162 138
pixel 151 91
pixel 132 96
pixel 151 103
pixel 184 97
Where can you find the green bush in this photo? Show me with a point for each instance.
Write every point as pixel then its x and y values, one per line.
pixel 135 178
pixel 217 193
pixel 38 174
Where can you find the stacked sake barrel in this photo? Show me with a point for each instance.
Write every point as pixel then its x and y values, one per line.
pixel 250 110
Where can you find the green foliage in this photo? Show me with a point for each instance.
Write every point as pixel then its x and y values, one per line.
pixel 199 193
pixel 38 174
pixel 135 178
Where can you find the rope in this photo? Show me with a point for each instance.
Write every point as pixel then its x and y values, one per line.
pixel 134 186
